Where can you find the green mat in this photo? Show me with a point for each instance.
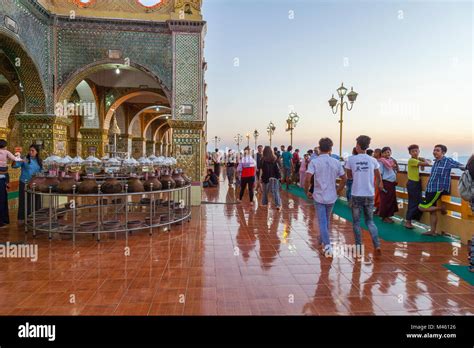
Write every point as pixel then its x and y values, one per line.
pixel 462 272
pixel 388 232
pixel 13 195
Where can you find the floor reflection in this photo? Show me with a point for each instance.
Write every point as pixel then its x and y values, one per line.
pixel 233 259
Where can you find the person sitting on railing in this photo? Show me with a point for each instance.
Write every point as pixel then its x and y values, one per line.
pixel 439 184
pixel 415 195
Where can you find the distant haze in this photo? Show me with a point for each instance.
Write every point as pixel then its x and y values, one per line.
pixel 411 63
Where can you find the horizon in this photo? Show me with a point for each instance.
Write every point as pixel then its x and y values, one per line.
pixel 410 62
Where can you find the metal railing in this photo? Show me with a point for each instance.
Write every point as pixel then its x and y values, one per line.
pixel 102 213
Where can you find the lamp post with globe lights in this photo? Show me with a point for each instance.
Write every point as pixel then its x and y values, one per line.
pixel 334 104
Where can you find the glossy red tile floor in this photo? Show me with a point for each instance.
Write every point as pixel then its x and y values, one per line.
pixel 232 259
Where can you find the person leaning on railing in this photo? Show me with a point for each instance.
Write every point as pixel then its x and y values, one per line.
pixel 439 184
pixel 466 183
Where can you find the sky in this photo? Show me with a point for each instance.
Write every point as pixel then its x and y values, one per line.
pixel 410 61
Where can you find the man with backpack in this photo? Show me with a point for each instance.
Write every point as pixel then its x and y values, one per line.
pixel 466 183
pixel 466 190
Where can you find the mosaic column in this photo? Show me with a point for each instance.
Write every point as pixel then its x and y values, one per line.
pixel 4 132
pixel 138 147
pixel 124 143
pixel 49 131
pixel 187 140
pixel 150 148
pixel 93 142
pixel 188 99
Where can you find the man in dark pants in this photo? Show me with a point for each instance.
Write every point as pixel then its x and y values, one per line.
pixel 258 159
pixel 4 215
pixel 216 160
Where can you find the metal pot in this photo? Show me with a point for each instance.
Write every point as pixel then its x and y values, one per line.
pixel 66 184
pixel 88 186
pixel 152 180
pixel 135 185
pixel 178 179
pixel 111 185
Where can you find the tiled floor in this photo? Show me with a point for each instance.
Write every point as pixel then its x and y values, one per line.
pixel 232 259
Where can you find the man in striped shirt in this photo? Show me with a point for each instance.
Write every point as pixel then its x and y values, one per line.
pixel 439 184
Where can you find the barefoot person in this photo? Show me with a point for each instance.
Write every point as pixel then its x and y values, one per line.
pixel 364 169
pixel 388 196
pixel 439 184
pixel 247 168
pixel 287 163
pixel 270 177
pixel 230 166
pixel 326 171
pixel 415 196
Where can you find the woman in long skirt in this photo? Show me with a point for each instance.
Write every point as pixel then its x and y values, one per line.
pixel 388 196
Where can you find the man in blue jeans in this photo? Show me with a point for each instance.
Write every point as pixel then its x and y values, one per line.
pixel 363 169
pixel 326 170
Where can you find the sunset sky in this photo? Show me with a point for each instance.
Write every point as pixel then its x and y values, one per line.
pixel 411 63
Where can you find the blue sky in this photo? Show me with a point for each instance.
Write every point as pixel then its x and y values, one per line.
pixel 411 63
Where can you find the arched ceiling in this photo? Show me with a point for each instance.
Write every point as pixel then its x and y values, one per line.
pixel 127 78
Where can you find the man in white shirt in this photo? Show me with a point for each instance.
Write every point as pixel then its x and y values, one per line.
pixel 216 160
pixel 363 169
pixel 326 170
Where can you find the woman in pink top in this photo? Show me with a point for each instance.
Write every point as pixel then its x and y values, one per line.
pixel 4 180
pixel 304 165
pixel 4 156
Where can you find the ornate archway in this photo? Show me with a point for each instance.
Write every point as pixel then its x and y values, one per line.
pixel 74 79
pixel 137 115
pixel 123 99
pixel 27 70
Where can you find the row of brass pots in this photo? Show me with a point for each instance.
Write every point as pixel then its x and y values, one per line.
pixel 110 186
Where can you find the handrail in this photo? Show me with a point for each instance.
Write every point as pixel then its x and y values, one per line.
pixel 460 219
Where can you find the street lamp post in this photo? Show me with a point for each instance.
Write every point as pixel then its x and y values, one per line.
pixel 248 139
pixel 238 140
pixel 271 130
pixel 291 123
pixel 255 136
pixel 334 104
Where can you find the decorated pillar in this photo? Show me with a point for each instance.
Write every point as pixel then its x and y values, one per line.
pixel 187 139
pixel 94 141
pixel 124 143
pixel 150 148
pixel 188 99
pixel 48 131
pixel 138 147
pixel 4 132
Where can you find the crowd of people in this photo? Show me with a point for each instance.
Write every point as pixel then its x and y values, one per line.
pixel 368 177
